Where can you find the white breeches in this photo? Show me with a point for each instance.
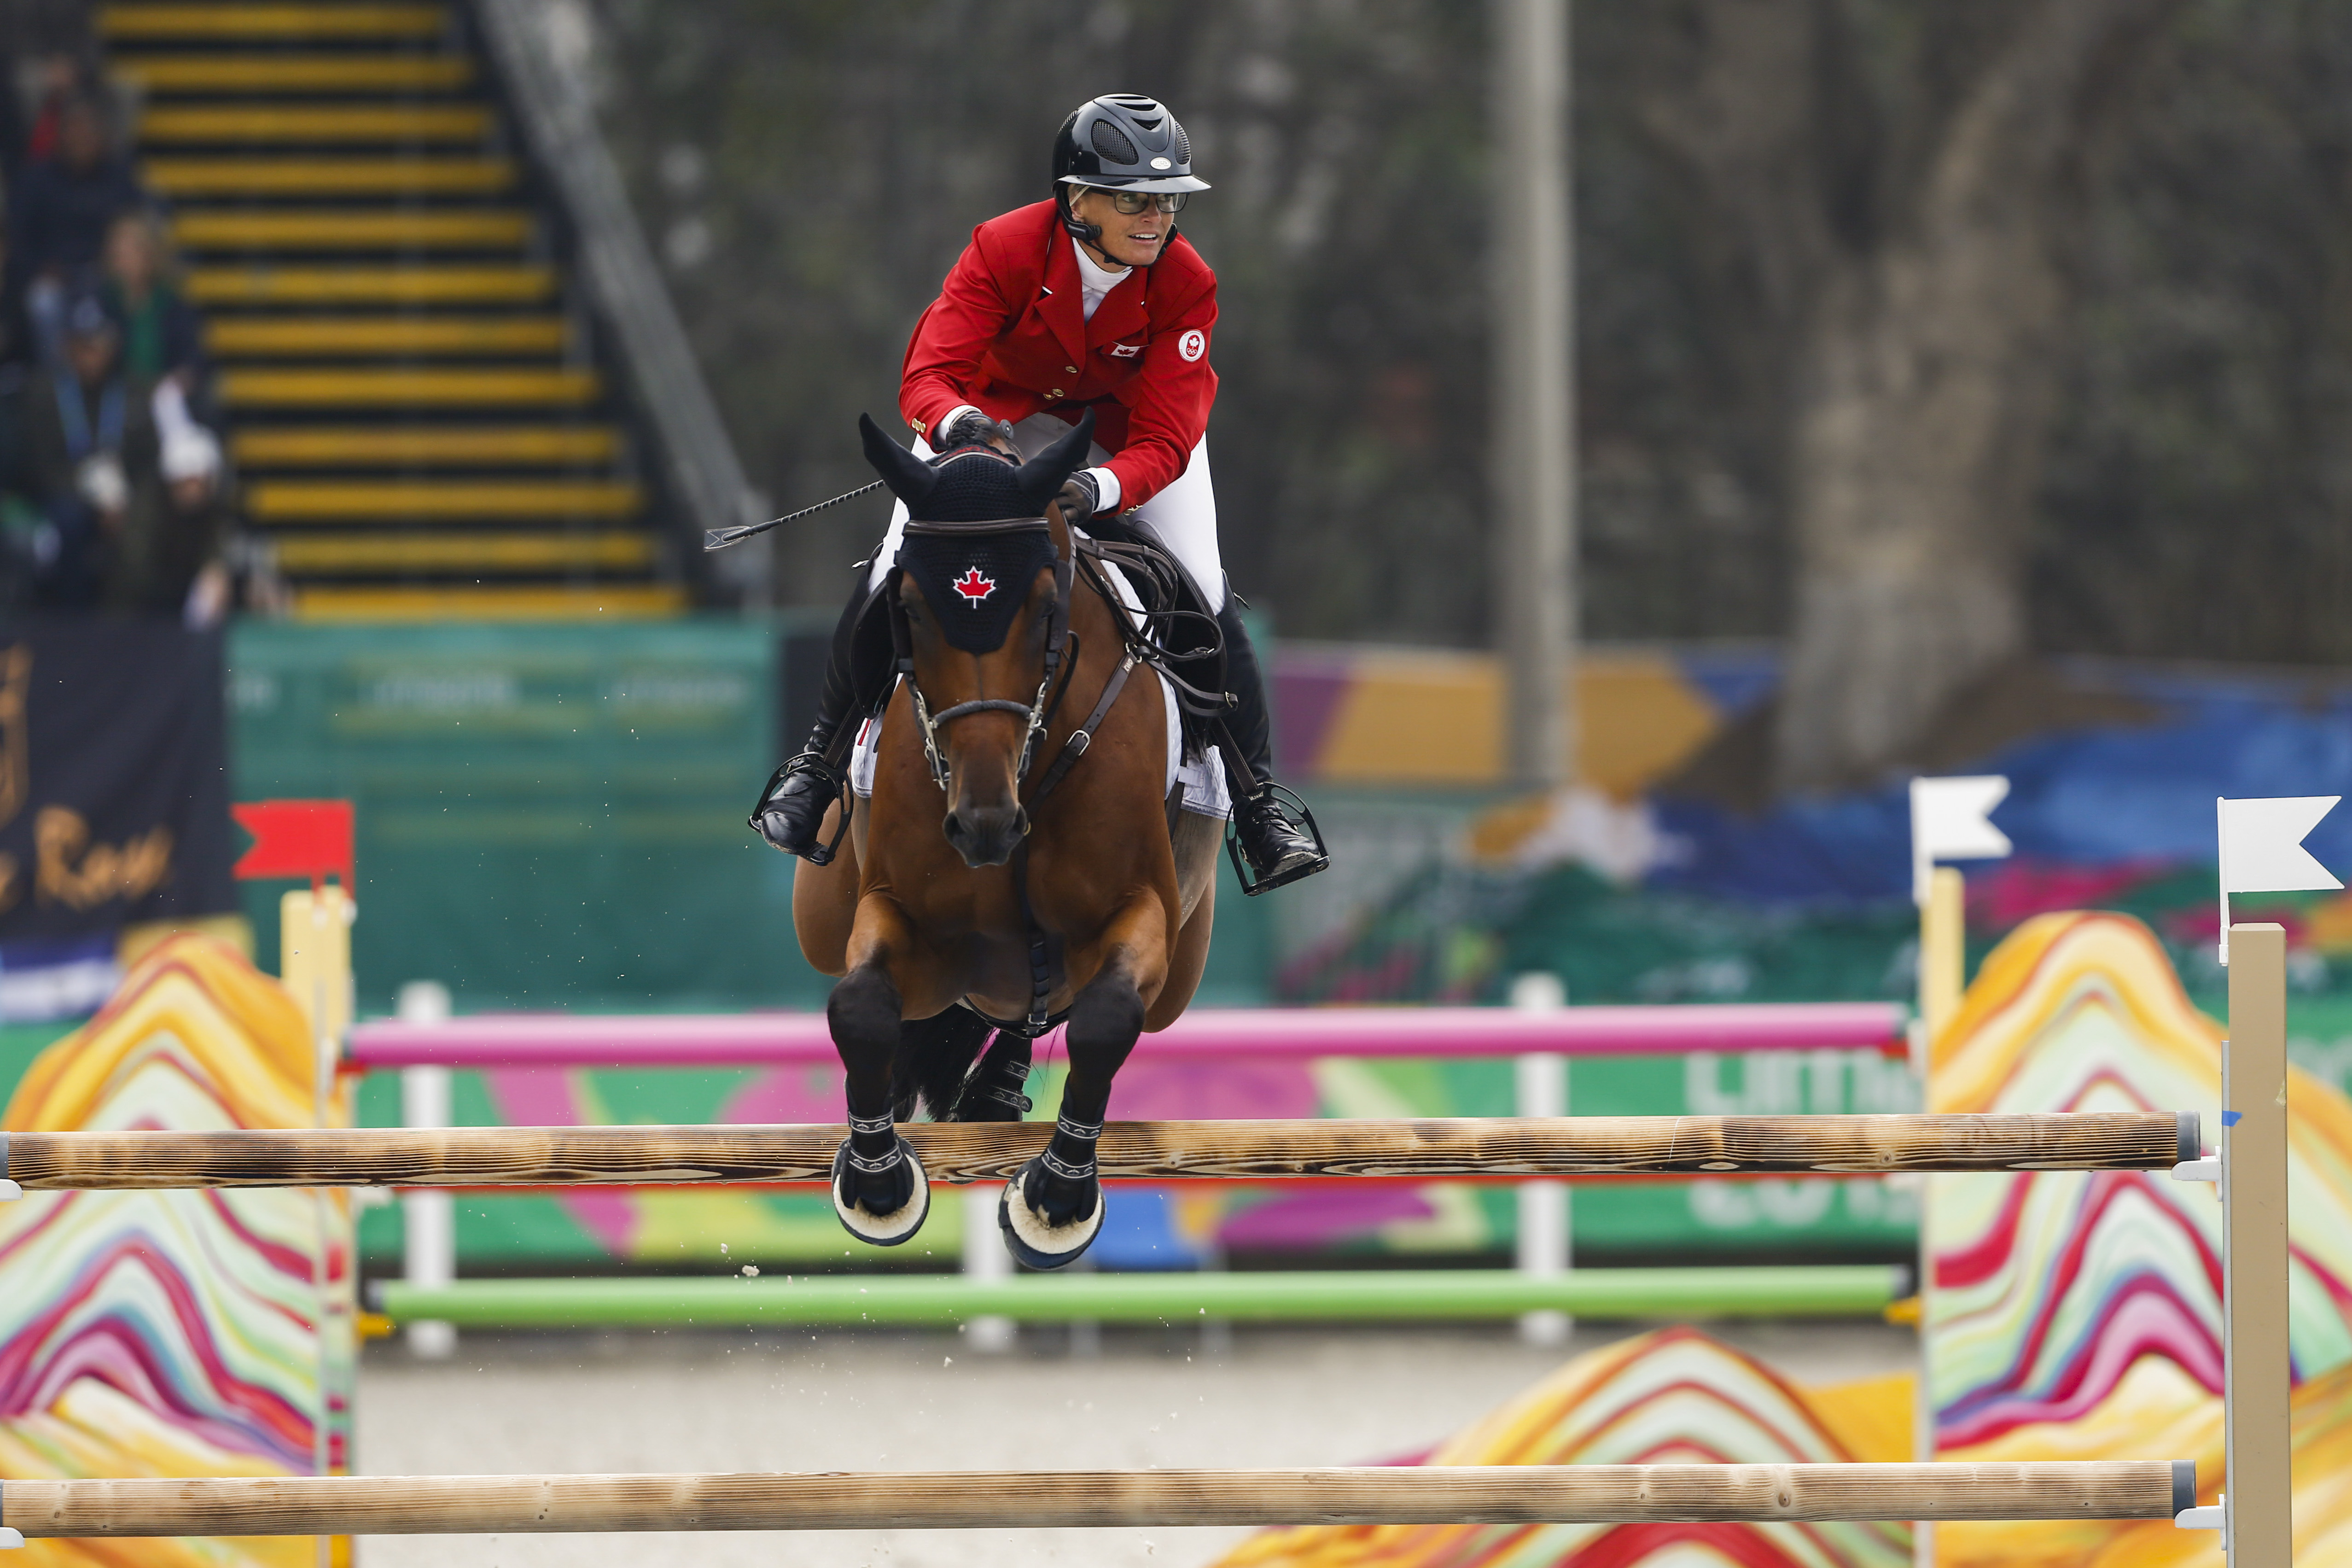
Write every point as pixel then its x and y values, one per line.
pixel 1183 517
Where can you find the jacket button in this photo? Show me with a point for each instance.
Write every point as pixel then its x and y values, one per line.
pixel 1069 369
pixel 1055 392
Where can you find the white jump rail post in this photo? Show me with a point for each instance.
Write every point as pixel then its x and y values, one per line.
pixel 314 965
pixel 985 1262
pixel 429 1219
pixel 1950 819
pixel 1543 1206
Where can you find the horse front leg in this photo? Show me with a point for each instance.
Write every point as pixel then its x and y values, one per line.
pixel 1053 1208
pixel 880 1192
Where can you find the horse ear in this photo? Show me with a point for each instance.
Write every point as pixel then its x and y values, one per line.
pixel 909 477
pixel 1042 477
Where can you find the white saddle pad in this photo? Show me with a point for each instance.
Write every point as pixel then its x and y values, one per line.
pixel 1203 777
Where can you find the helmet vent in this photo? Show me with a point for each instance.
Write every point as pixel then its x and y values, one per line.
pixel 1112 143
pixel 1184 143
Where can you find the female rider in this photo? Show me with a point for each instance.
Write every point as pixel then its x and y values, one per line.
pixel 1088 299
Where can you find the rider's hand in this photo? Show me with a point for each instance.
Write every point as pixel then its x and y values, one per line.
pixel 1078 498
pixel 970 428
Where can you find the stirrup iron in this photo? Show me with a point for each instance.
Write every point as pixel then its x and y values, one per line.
pixel 1296 813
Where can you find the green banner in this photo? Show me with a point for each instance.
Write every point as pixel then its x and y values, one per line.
pixel 548 817
pixel 553 816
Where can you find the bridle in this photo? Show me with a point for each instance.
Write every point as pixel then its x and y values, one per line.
pixel 1061 663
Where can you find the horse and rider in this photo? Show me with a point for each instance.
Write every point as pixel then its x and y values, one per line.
pixel 1055 534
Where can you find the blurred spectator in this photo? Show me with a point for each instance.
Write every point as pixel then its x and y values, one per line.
pixel 15 338
pixel 34 86
pixel 61 210
pixel 161 332
pixel 57 81
pixel 85 433
pixel 132 492
pixel 21 520
pixel 168 558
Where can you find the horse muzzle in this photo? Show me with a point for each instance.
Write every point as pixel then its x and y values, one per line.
pixel 986 836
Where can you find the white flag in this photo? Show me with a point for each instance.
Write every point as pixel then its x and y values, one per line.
pixel 1951 820
pixel 2262 848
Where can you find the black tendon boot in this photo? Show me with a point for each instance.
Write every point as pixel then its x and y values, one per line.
pixel 1274 835
pixel 791 808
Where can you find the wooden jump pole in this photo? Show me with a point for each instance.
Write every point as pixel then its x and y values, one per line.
pixel 978 1500
pixel 1159 1151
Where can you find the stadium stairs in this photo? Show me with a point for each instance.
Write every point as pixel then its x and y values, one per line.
pixel 430 414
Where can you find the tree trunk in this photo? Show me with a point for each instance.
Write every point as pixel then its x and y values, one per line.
pixel 1926 387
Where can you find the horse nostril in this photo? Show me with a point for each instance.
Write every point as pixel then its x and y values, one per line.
pixel 954 826
pixel 1021 820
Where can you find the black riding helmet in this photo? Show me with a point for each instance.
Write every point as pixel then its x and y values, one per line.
pixel 1121 142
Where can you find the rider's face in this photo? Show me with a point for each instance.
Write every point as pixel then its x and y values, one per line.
pixel 1131 240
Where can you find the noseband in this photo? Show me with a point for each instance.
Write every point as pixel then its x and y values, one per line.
pixel 1038 712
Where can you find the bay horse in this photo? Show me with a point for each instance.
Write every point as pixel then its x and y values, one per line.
pixel 1020 859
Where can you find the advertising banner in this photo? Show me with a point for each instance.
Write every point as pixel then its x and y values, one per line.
pixel 113 799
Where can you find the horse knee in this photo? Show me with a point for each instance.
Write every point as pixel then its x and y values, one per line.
pixel 1106 1015
pixel 863 1016
pixel 863 1010
pixel 1106 1019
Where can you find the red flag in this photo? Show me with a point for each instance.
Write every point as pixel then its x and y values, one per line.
pixel 297 838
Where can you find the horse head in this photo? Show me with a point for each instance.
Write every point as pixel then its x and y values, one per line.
pixel 980 591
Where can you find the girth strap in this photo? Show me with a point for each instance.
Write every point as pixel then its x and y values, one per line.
pixel 1044 951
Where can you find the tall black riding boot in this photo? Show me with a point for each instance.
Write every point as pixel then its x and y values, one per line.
pixel 791 813
pixel 1280 843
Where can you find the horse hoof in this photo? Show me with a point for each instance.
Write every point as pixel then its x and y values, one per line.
pixel 1033 1237
pixel 882 1229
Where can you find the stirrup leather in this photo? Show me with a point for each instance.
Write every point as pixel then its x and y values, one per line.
pixel 1293 811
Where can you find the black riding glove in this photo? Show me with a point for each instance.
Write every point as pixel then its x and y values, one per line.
pixel 1078 497
pixel 970 428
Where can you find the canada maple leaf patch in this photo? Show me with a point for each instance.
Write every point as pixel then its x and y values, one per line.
pixel 973 587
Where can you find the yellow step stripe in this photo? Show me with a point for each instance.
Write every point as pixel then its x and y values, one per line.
pixel 370 285
pixel 276 388
pixel 329 176
pixel 280 500
pixel 329 229
pixel 313 554
pixel 633 601
pixel 127 22
pixel 299 73
pixel 419 445
pixel 292 122
pixel 263 337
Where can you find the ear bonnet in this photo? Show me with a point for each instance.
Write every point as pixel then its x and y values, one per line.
pixel 976 578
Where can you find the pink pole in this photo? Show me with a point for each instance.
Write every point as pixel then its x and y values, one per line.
pixel 782 1039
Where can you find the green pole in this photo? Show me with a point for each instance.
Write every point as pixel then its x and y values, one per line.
pixel 942 1301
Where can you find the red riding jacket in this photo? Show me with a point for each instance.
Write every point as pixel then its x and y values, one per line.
pixel 1008 334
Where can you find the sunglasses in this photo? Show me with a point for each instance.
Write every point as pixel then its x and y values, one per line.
pixel 1127 203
